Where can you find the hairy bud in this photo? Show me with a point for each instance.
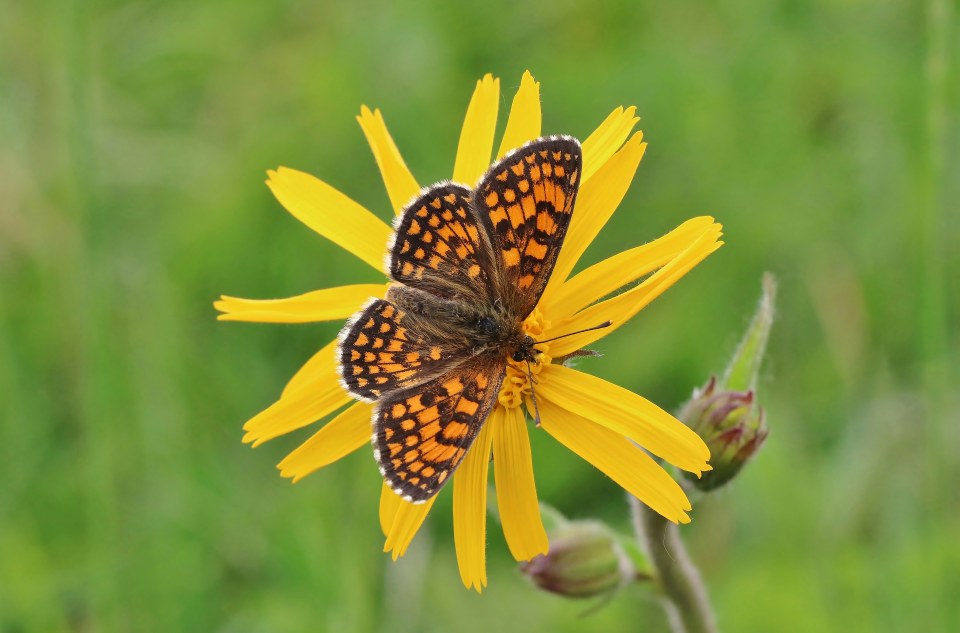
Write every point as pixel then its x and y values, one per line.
pixel 732 425
pixel 585 560
pixel 725 412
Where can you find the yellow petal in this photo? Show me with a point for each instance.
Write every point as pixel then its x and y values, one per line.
pixel 623 268
pixel 524 121
pixel 470 511
pixel 315 371
pixel 476 137
pixel 331 214
pixel 626 413
pixel 621 308
pixel 516 490
pixel 389 504
pixel 341 436
pixel 619 459
pixel 320 305
pixel 317 393
pixel 400 183
pixel 596 202
pixel 294 412
pixel 406 522
pixel 607 139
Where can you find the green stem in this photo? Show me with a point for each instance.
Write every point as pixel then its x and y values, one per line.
pixel 684 594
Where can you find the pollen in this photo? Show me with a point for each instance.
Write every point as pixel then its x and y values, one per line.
pixel 516 388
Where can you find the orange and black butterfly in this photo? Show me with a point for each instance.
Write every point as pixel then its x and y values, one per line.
pixel 469 266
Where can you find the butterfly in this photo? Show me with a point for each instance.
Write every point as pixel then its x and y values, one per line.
pixel 469 265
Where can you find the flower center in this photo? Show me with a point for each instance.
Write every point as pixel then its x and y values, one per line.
pixel 516 385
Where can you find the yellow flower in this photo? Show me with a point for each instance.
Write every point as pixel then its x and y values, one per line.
pixel 600 421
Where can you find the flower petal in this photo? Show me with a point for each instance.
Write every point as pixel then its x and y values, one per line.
pixel 389 504
pixel 596 202
pixel 624 268
pixel 619 459
pixel 339 437
pixel 316 394
pixel 523 123
pixel 315 371
pixel 470 511
pixel 400 183
pixel 476 137
pixel 296 411
pixel 331 214
pixel 626 413
pixel 607 139
pixel 621 308
pixel 320 305
pixel 406 523
pixel 516 490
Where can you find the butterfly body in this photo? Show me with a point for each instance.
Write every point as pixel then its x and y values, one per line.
pixel 469 266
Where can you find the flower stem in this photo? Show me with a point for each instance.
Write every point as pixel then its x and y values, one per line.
pixel 684 594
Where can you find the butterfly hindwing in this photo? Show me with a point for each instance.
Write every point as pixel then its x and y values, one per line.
pixel 437 245
pixel 524 202
pixel 422 434
pixel 385 348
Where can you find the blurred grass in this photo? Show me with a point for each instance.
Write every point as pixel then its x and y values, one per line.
pixel 135 136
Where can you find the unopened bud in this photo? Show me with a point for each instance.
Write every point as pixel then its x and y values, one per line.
pixel 732 425
pixel 725 413
pixel 585 560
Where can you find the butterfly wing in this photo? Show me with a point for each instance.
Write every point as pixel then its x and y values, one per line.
pixel 524 204
pixel 422 434
pixel 437 245
pixel 385 348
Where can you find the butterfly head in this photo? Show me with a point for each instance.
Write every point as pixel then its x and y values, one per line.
pixel 525 350
pixel 496 331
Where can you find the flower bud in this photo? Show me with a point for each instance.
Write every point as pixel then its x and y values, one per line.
pixel 732 425
pixel 584 560
pixel 725 413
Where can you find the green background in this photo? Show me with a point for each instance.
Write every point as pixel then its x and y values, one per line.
pixel 134 137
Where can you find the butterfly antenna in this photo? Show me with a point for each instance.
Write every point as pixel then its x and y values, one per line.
pixel 589 329
pixel 533 394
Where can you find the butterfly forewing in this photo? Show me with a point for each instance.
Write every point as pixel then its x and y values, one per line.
pixel 525 202
pixel 422 434
pixel 385 348
pixel 437 247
